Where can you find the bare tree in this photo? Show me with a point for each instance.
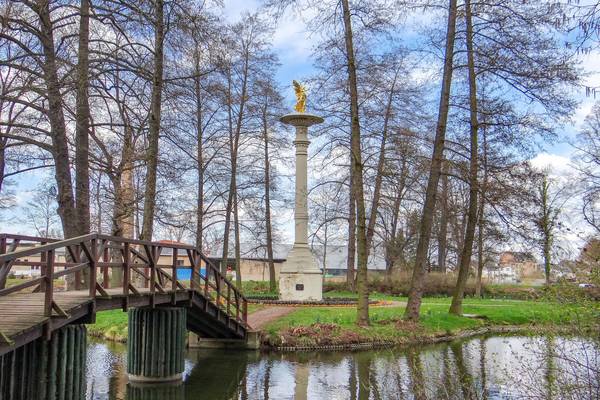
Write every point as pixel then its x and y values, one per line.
pixel 467 249
pixel 416 286
pixel 588 164
pixel 157 22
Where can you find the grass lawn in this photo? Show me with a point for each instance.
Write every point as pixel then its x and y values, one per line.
pixel 306 326
pixel 387 324
pixel 58 283
pixel 110 325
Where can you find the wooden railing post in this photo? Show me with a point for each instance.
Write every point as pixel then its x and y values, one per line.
pixel 126 270
pixel 174 271
pixel 3 251
pixel 92 263
pixel 49 278
pixel 77 260
pixel 206 279
pixel 228 299
pixel 105 259
pixel 237 306
pixel 245 312
pixel 218 284
pixel 195 269
pixel 43 260
pixel 151 254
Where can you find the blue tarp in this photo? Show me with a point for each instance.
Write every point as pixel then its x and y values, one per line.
pixel 186 273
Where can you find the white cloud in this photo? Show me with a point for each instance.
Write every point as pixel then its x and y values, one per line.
pixel 558 165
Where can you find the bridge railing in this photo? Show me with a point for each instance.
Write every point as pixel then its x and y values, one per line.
pixel 98 263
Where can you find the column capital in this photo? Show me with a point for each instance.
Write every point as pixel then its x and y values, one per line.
pixel 301 119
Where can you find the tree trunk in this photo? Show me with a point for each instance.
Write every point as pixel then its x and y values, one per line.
pixel 225 257
pixel 3 142
pixel 325 249
pixel 547 258
pixel 234 139
pixel 56 117
pixel 481 219
pixel 480 258
pixel 392 244
pixel 199 155
pixel 416 288
pixel 227 227
pixel 154 123
pixel 380 167
pixel 272 283
pixel 98 198
pixel 467 249
pixel 443 230
pixel 236 223
pixel 124 207
pixel 362 286
pixel 351 258
pixel 546 228
pixel 82 124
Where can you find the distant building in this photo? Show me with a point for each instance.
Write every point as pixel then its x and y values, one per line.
pixel 524 264
pixel 512 267
pixel 254 262
pixel 500 274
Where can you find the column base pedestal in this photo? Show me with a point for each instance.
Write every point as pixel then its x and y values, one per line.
pixel 162 379
pixel 300 286
pixel 300 278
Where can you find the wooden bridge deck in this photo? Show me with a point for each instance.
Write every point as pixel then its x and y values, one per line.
pixel 214 307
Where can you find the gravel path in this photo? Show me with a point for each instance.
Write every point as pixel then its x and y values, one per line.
pixel 257 320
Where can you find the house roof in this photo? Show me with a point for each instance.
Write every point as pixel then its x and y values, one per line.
pixel 518 256
pixel 336 256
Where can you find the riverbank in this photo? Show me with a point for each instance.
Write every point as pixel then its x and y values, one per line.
pixel 304 328
pixel 335 328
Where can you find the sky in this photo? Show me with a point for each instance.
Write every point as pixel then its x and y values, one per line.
pixel 292 43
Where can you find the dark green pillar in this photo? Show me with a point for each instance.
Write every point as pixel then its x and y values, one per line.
pixel 46 369
pixel 156 344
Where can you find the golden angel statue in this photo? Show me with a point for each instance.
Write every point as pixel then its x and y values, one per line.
pixel 300 97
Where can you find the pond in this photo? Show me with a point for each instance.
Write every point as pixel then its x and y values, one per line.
pixel 495 367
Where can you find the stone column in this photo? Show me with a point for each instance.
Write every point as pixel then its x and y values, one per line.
pixel 47 369
pixel 300 277
pixel 156 344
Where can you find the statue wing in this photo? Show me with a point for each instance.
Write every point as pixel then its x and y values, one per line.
pixel 298 88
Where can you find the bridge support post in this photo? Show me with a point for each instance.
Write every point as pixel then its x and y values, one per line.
pixel 46 369
pixel 156 344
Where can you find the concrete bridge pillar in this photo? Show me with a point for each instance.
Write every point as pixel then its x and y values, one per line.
pixel 46 369
pixel 156 344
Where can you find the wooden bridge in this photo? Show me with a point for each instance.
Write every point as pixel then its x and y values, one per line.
pixel 109 273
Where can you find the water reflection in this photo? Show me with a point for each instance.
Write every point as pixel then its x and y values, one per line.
pixel 156 392
pixel 481 368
